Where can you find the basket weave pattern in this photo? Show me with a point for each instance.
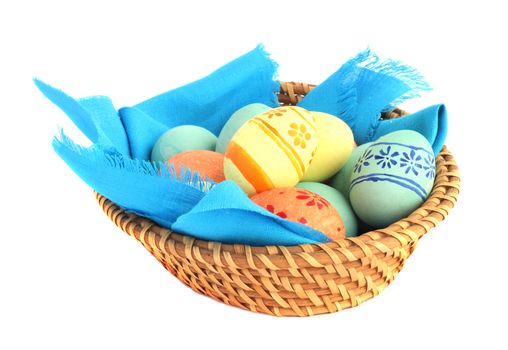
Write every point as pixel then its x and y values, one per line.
pixel 301 280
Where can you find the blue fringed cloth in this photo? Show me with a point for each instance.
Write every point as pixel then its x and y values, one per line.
pixel 364 87
pixel 117 164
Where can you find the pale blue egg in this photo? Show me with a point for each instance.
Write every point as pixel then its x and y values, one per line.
pixel 234 123
pixel 338 201
pixel 182 139
pixel 392 178
pixel 342 179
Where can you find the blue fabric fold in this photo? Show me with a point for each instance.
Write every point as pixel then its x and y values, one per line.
pixel 431 122
pixel 143 131
pixel 95 116
pixel 139 186
pixel 210 101
pixel 364 87
pixel 227 215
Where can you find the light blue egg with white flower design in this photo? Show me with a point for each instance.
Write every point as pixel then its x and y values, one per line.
pixel 392 178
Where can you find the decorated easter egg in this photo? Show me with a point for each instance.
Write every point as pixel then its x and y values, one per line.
pixel 335 144
pixel 181 139
pixel 271 150
pixel 342 179
pixel 234 123
pixel 338 201
pixel 392 178
pixel 207 164
pixel 303 206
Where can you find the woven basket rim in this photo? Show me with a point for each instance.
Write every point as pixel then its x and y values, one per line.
pixel 399 235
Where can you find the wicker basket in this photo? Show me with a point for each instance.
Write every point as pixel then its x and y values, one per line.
pixel 301 280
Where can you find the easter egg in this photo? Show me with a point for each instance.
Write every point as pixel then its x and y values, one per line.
pixel 302 206
pixel 335 144
pixel 207 164
pixel 271 150
pixel 181 139
pixel 338 201
pixel 392 178
pixel 342 179
pixel 234 123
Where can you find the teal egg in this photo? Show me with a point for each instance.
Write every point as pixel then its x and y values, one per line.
pixel 182 139
pixel 234 123
pixel 342 179
pixel 392 178
pixel 338 201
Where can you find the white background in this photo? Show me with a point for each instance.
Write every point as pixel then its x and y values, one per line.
pixel 69 279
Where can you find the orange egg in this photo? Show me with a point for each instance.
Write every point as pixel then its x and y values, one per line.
pixel 206 163
pixel 305 207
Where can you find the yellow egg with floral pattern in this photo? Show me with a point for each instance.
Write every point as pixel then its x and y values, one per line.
pixel 272 150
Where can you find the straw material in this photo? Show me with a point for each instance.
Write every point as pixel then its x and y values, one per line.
pixel 302 280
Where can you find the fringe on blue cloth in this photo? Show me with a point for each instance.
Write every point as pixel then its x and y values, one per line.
pixel 117 165
pixel 366 86
pixel 145 188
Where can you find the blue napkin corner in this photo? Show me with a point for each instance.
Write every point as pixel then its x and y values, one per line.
pixel 226 214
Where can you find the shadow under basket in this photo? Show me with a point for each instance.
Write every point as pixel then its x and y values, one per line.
pixel 301 280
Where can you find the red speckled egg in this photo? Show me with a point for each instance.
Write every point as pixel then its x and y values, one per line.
pixel 303 206
pixel 206 163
